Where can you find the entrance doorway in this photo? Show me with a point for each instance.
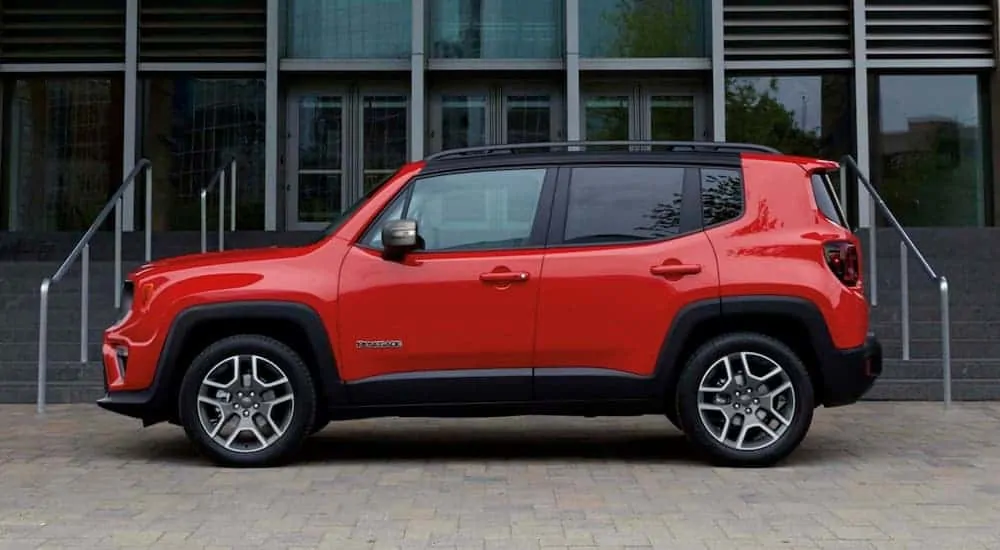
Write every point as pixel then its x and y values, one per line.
pixel 341 142
pixel 644 112
pixel 490 114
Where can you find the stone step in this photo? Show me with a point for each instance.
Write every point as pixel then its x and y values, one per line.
pixel 930 330
pixel 932 390
pixel 56 392
pixel 59 371
pixel 57 351
pixel 931 369
pixel 931 348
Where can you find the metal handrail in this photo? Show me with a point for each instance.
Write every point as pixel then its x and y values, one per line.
pixel 218 177
pixel 906 244
pixel 82 250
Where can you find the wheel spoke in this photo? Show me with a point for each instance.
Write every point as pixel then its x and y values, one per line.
pixel 223 419
pixel 213 402
pixel 780 418
pixel 274 427
pixel 779 390
pixel 279 400
pixel 726 384
pixel 743 434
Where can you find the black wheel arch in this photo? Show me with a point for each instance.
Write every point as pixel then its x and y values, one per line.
pixel 293 323
pixel 795 321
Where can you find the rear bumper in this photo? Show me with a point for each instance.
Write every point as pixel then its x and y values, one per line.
pixel 849 374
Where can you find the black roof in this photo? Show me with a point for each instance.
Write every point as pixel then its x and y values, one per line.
pixel 605 147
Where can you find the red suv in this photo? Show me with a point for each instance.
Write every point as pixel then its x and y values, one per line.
pixel 714 283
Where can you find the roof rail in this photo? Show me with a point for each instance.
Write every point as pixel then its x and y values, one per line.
pixel 701 146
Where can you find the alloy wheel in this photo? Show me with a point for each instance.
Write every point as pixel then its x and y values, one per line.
pixel 746 401
pixel 245 403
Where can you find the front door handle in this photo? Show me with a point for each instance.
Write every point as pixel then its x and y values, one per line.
pixel 504 277
pixel 675 270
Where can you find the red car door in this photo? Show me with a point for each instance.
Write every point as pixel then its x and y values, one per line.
pixel 454 322
pixel 624 258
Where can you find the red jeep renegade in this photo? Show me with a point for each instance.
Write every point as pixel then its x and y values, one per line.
pixel 714 283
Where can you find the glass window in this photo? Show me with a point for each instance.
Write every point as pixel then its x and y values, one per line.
pixel 496 29
pixel 64 156
pixel 721 195
pixel 479 210
pixel 347 29
pixel 800 115
pixel 623 203
pixel 191 128
pixel 607 118
pixel 930 149
pixel 826 200
pixel 644 28
pixel 529 119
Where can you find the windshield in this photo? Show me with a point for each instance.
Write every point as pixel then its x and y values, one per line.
pixel 339 219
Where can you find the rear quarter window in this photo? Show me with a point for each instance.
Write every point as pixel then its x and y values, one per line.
pixel 826 199
pixel 721 195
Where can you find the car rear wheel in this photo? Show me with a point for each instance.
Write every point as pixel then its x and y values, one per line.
pixel 745 400
pixel 247 400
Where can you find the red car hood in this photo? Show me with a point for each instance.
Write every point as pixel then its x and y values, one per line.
pixel 219 259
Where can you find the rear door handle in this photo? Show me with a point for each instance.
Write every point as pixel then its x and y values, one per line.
pixel 503 277
pixel 675 270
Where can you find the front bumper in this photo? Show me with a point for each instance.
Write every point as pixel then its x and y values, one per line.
pixel 134 404
pixel 140 404
pixel 849 374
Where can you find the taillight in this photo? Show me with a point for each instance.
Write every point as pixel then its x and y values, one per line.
pixel 842 259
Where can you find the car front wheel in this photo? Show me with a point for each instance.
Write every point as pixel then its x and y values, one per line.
pixel 247 400
pixel 745 400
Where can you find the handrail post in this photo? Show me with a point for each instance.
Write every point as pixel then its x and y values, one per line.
pixel 149 213
pixel 873 256
pixel 904 296
pixel 118 253
pixel 84 302
pixel 222 209
pixel 43 343
pixel 945 341
pixel 232 197
pixel 204 221
pixel 843 192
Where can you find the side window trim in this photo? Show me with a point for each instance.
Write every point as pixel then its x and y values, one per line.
pixel 539 228
pixel 690 216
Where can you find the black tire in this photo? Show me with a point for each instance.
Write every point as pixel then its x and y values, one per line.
pixel 319 425
pixel 671 414
pixel 688 398
pixel 300 381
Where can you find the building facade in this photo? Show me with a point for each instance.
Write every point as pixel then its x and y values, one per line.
pixel 320 99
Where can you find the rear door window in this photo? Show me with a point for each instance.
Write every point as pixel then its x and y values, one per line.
pixel 621 204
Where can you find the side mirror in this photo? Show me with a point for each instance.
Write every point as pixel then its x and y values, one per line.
pixel 399 237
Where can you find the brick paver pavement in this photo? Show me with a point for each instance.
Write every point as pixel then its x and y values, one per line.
pixel 874 475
